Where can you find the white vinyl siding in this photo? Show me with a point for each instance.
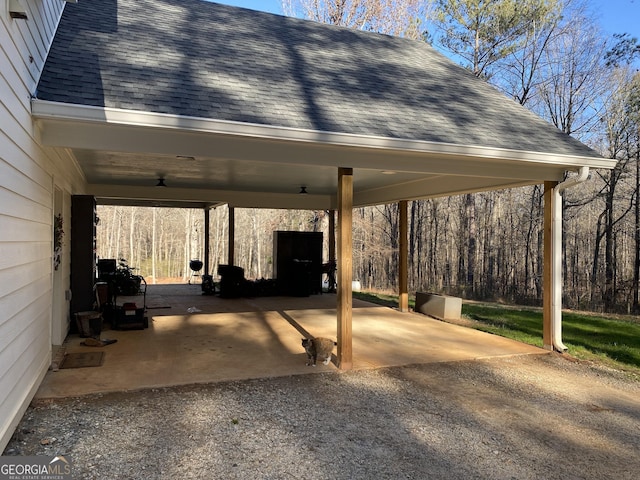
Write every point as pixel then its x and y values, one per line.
pixel 28 173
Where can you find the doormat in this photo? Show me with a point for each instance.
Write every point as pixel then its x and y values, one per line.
pixel 82 359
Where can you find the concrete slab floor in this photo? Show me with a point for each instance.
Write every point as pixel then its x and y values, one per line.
pixel 237 339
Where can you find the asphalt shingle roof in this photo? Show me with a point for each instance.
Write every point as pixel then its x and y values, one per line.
pixel 201 59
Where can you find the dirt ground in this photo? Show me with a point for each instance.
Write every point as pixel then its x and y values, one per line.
pixel 518 417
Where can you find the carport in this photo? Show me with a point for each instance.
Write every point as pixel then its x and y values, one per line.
pixel 246 338
pixel 243 108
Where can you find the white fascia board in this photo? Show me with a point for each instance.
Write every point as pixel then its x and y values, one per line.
pixel 46 110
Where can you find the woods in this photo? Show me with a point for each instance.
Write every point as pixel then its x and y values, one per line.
pixel 549 56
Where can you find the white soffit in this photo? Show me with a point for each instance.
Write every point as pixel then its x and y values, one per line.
pixel 61 125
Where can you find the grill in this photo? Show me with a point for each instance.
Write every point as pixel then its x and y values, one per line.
pixel 195 266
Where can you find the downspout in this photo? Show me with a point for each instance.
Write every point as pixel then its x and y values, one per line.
pixel 556 218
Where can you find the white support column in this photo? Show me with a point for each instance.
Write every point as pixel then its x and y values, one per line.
pixel 552 311
pixel 556 272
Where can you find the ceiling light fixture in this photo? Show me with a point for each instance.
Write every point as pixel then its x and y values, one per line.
pixel 303 190
pixel 161 182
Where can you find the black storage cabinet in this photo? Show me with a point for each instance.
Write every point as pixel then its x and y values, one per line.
pixel 297 262
pixel 83 252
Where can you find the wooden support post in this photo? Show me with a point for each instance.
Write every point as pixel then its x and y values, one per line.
pixel 548 285
pixel 232 237
pixel 403 258
pixel 345 261
pixel 207 232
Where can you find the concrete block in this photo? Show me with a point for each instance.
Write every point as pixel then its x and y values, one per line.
pixel 439 306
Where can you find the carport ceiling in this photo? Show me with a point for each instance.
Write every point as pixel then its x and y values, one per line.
pixel 234 106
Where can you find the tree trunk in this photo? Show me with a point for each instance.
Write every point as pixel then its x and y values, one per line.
pixel 470 212
pixel 153 246
pixel 635 309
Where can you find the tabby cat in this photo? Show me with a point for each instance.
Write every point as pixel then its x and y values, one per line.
pixel 318 347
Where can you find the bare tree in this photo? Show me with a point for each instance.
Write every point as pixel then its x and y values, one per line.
pixel 634 116
pixel 618 194
pixel 393 17
pixel 573 76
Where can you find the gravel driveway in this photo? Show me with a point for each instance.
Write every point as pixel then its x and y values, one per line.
pixel 526 417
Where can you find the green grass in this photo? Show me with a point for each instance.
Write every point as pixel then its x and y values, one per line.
pixel 598 338
pixel 521 325
pixel 378 298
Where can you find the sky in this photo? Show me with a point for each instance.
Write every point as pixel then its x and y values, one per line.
pixel 616 16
